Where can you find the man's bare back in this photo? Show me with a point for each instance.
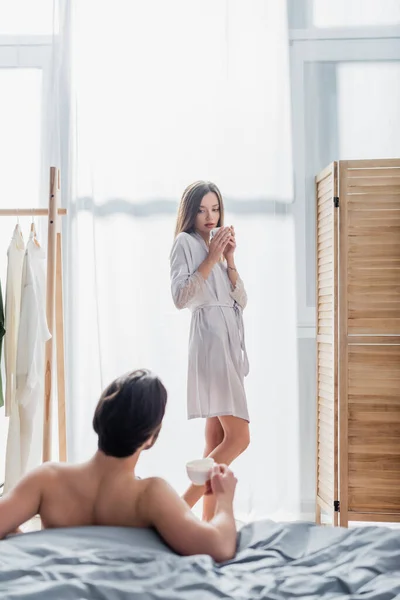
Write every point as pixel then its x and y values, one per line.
pixel 77 495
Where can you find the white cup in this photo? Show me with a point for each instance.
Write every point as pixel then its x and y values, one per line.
pixel 214 231
pixel 199 470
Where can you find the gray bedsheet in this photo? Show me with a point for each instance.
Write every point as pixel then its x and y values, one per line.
pixel 274 561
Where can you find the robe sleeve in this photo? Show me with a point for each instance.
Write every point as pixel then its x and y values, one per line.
pixel 238 293
pixel 187 284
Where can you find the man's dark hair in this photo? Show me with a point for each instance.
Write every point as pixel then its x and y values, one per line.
pixel 129 412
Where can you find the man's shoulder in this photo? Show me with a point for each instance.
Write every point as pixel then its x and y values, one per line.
pixel 50 473
pixel 154 490
pixel 46 470
pixel 154 484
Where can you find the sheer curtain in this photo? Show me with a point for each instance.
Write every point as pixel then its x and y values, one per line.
pixel 164 93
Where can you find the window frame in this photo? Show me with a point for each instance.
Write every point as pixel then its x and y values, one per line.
pixel 318 45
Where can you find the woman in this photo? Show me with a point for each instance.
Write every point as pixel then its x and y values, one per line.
pixel 204 279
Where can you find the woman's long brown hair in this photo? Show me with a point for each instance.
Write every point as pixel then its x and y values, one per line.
pixel 190 204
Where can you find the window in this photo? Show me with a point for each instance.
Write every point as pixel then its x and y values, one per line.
pixel 20 126
pixel 368 100
pixel 28 17
pixel 355 13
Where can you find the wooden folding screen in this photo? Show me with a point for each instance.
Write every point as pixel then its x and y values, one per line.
pixel 358 433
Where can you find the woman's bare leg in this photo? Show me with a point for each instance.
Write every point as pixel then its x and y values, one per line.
pixel 214 435
pixel 235 441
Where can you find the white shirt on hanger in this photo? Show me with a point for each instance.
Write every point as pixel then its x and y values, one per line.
pixel 33 330
pixel 15 254
pixel 24 443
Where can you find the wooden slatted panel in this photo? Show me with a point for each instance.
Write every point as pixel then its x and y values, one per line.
pixel 374 428
pixel 326 318
pixel 373 196
pixel 369 366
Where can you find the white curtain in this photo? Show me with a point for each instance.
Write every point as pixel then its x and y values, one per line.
pixel 164 93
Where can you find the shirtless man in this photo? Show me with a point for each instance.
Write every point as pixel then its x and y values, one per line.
pixel 105 491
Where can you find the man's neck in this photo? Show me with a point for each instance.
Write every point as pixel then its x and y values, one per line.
pixel 111 463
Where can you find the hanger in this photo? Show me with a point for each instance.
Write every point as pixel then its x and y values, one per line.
pixel 33 231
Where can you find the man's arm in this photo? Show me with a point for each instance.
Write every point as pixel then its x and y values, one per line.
pixel 22 502
pixel 182 530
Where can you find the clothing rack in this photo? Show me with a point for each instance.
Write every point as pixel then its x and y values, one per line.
pixel 54 311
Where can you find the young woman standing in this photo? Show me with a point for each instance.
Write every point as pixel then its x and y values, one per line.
pixel 204 279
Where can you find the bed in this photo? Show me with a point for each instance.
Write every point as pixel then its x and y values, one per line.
pixel 274 560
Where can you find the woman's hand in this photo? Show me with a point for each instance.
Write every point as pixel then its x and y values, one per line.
pixel 231 246
pixel 218 244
